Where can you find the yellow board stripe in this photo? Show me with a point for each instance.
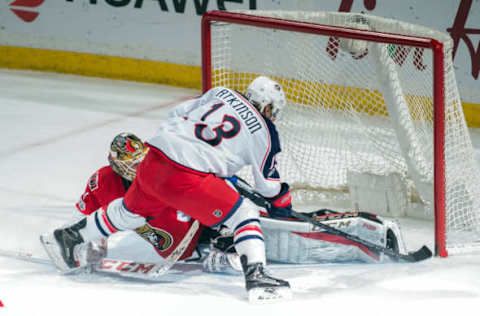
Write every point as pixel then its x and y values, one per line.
pixel 100 66
pixel 172 74
pixel 472 114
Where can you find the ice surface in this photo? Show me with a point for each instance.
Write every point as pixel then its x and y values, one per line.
pixel 55 133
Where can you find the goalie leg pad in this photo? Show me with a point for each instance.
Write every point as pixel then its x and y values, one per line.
pixel 303 243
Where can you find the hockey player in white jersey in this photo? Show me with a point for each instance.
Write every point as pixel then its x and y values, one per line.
pixel 203 141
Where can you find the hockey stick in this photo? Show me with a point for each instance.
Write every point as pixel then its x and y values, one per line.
pixel 178 252
pixel 123 268
pixel 246 190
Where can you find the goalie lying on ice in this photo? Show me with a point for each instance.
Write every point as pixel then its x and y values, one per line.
pixel 289 240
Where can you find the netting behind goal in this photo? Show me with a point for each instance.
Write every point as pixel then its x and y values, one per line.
pixel 366 96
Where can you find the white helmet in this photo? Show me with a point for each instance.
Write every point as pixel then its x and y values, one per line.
pixel 264 91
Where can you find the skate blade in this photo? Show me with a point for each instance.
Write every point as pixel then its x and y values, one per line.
pixel 54 253
pixel 269 295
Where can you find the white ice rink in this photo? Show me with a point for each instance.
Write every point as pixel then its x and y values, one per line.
pixel 55 131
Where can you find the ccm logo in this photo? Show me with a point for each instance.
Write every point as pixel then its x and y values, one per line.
pixel 25 15
pixel 128 266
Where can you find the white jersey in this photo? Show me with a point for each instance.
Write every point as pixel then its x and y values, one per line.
pixel 220 133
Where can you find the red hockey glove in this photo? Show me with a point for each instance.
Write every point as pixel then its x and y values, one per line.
pixel 281 204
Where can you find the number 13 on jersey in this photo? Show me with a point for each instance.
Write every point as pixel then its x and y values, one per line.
pixel 229 127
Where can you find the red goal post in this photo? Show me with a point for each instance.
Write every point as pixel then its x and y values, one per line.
pixel 274 22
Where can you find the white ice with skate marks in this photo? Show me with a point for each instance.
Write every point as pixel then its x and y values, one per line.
pixel 55 132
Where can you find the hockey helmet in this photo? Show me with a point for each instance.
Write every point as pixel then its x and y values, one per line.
pixel 126 152
pixel 264 91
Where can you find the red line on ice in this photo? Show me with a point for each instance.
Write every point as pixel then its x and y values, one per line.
pixel 90 127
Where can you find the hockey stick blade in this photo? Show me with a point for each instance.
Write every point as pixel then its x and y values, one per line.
pixel 421 254
pixel 246 190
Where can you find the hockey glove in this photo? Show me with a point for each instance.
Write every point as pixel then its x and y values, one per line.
pixel 281 204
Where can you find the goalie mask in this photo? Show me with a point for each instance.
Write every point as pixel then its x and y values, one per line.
pixel 126 152
pixel 264 91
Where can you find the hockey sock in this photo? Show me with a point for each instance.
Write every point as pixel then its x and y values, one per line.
pixel 104 222
pixel 248 236
pixel 248 239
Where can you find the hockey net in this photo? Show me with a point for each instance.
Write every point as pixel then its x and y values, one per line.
pixel 374 119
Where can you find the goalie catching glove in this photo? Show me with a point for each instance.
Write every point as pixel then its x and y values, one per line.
pixel 281 204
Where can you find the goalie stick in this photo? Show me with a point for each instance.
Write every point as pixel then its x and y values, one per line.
pixel 178 252
pixel 246 190
pixel 120 267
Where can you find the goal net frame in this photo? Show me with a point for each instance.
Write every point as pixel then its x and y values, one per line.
pixel 437 48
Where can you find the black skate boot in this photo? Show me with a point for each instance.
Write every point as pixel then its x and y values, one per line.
pixel 60 245
pixel 260 285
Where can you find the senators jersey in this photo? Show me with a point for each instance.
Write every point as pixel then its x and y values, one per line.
pixel 103 187
pixel 220 133
pixel 164 232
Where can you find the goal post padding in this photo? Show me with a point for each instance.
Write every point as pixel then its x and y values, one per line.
pixel 368 97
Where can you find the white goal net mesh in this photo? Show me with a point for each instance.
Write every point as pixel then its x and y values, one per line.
pixel 357 107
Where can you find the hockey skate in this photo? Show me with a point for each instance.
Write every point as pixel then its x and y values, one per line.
pixel 62 245
pixel 262 287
